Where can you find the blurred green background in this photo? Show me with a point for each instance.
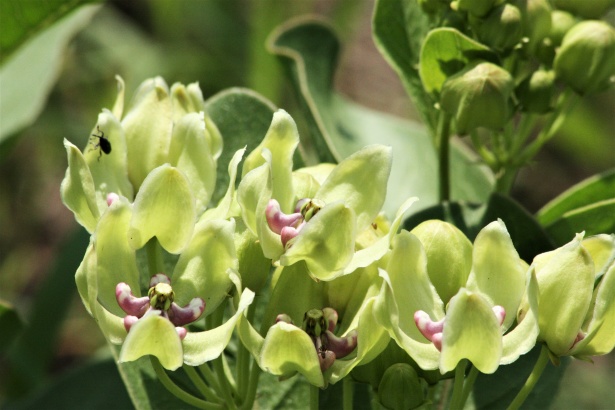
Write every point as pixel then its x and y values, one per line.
pixel 54 83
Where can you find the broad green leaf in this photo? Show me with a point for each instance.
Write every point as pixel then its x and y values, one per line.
pixel 243 118
pixel 10 325
pixel 446 51
pixel 338 128
pixel 496 391
pixel 398 28
pixel 597 188
pixel 527 235
pixel 26 78
pixel 165 191
pixel 592 219
pixel 94 385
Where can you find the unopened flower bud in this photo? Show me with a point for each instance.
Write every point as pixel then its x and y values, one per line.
pixel 478 96
pixel 501 29
pixel 586 59
pixel 401 388
pixel 536 20
pixel 561 22
pixel 477 8
pixel 536 92
pixel 589 9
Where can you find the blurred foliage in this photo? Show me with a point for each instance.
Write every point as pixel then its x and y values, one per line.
pixel 221 44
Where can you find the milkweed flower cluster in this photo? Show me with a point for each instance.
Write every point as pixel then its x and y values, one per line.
pixel 172 275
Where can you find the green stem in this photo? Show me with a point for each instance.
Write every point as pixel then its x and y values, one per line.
pixel 243 360
pixel 314 392
pixel 177 391
pixel 347 391
pixel 248 401
pixel 214 320
pixel 458 387
pixel 210 377
pixel 198 382
pixel 527 388
pixel 443 144
pixel 467 386
pixel 504 180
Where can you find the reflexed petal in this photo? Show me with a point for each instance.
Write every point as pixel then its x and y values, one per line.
pixel 565 285
pixel 77 189
pixel 471 331
pixel 189 152
pixel 602 250
pixel 201 347
pixel 288 349
pixel 202 269
pixel 81 276
pixel 118 106
pixel 497 270
pixel 116 259
pixel 109 170
pixel 600 338
pixel 281 140
pixel 225 207
pixel 374 252
pixel 449 256
pixel 148 125
pixel 326 242
pixel 156 210
pixel 156 336
pixel 361 182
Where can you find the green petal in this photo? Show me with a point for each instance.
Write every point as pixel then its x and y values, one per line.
pixel 225 207
pixel 565 285
pixel 201 270
pixel 449 256
pixel 154 335
pixel 497 270
pixel 189 152
pixel 253 195
pixel 77 189
pixel 372 339
pixel 109 170
pixel 116 259
pixel 378 249
pixel 319 172
pixel 81 276
pixel 254 267
pixel 390 317
pixel 600 337
pixel 326 242
pixel 471 331
pixel 183 103
pixel 281 140
pixel 347 182
pixel 522 338
pixel 164 207
pixel 148 126
pixel 288 349
pixel 118 106
pixel 602 250
pixel 347 294
pixel 201 347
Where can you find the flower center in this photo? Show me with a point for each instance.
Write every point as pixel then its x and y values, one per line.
pixel 161 296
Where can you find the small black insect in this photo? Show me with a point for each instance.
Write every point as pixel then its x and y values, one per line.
pixel 103 143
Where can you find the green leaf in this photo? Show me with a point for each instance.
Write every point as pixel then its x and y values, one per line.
pixel 527 235
pixel 10 325
pixel 95 385
pixel 28 76
pixel 309 49
pixel 581 208
pixel 243 118
pixel 446 51
pixel 496 391
pixel 398 28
